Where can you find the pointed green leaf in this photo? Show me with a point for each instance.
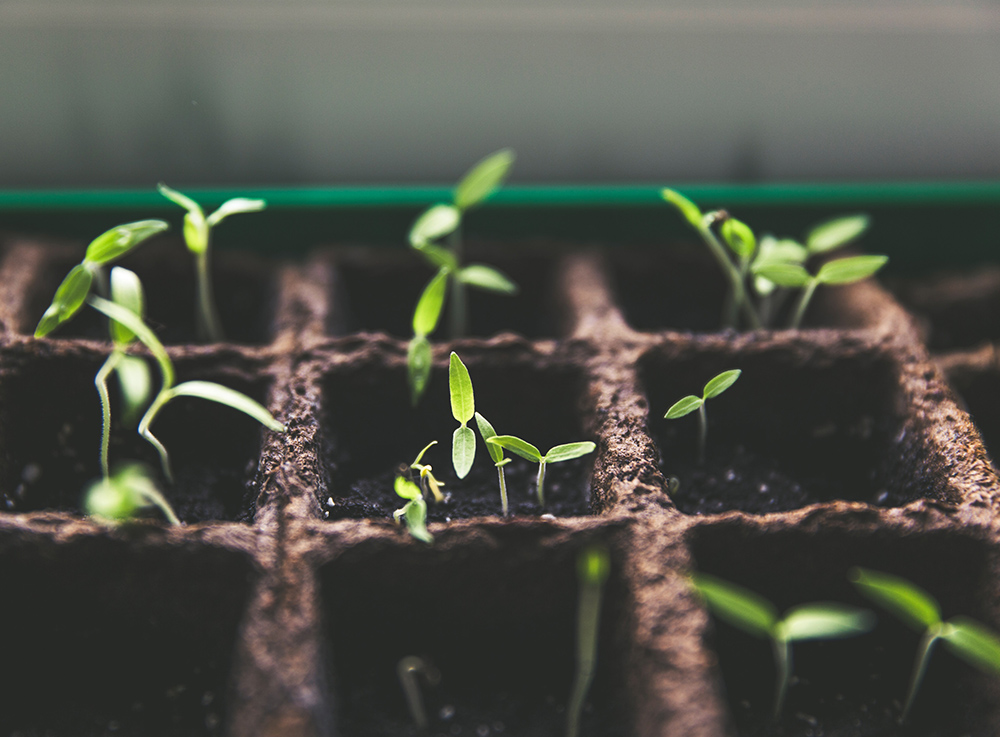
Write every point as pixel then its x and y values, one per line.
pixel 783 274
pixel 420 455
pixel 739 237
pixel 415 514
pixel 486 277
pixel 836 233
pixel 136 384
pixel 67 301
pixel 569 451
pixel 235 206
pixel 115 243
pixel 786 250
pixel 483 179
pixel 196 232
pixel 848 270
pixel 463 450
pixel 463 405
pixel 686 207
pixel 438 221
pixel 905 600
pixel 825 621
pixel 428 311
pixel 518 447
pixel 720 383
pixel 229 397
pixel 736 605
pixel 974 643
pixel 126 290
pixel 179 199
pixel 486 431
pixel 684 406
pixel 134 323
pixel 406 488
pixel 419 360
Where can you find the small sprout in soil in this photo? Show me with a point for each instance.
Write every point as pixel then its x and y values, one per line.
pixel 758 617
pixel 968 639
pixel 408 669
pixel 463 408
pixel 593 566
pixel 197 235
pixel 414 512
pixel 690 403
pixel 486 431
pixel 428 483
pixel 565 452
pixel 120 496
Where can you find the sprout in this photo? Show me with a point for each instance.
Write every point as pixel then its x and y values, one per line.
pixel 428 483
pixel 758 617
pixel 690 403
pixel 593 566
pixel 414 512
pixel 968 639
pixel 197 235
pixel 486 432
pixel 408 669
pixel 565 452
pixel 120 496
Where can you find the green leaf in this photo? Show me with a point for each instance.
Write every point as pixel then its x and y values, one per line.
pixel 415 514
pixel 229 397
pixel 486 277
pixel 518 447
pixel 196 233
pixel 235 206
pixel 110 500
pixel 438 257
pixel 428 311
pixel 684 406
pixel 593 565
pixel 419 360
pixel 126 290
pixel 463 405
pixel 739 237
pixel 179 199
pixel 136 384
pixel 463 450
pixel 836 233
pixel 785 250
pixel 115 243
pixel 406 488
pixel 824 621
pixel 720 383
pixel 783 274
pixel 486 431
pixel 738 606
pixel 974 643
pixel 687 208
pixel 905 600
pixel 569 451
pixel 134 323
pixel 67 301
pixel 848 270
pixel 483 179
pixel 438 221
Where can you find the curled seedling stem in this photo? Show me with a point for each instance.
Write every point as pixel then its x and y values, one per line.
pixel 408 669
pixel 593 566
pixel 690 403
pixel 428 483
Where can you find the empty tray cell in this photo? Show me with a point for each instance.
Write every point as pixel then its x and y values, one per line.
pixel 106 637
pixel 957 310
pixel 371 429
pixel 497 621
pixel 802 424
pixel 244 287
pixel 378 291
pixel 857 685
pixel 50 434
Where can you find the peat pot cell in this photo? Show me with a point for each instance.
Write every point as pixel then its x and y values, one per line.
pixel 851 687
pixel 498 624
pixel 790 432
pixel 50 439
pixel 371 429
pixel 105 639
pixel 377 292
pixel 245 295
pixel 979 389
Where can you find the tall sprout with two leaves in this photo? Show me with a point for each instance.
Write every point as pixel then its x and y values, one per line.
pixel 686 405
pixel 556 454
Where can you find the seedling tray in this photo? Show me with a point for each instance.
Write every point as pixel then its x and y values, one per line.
pixel 284 603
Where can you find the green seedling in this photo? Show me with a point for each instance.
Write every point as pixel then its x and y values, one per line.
pixel 690 403
pixel 204 389
pixel 414 512
pixel 408 669
pixel 593 566
pixel 486 431
pixel 463 409
pixel 968 639
pixel 425 320
pixel 565 452
pixel 198 236
pixel 758 617
pixel 428 483
pixel 120 496
pixel 102 251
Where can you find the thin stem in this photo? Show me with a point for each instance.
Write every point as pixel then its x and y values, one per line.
pixel 503 491
pixel 147 419
pixel 407 670
pixel 919 666
pixel 157 499
pixel 783 661
pixel 209 326
pixel 800 309
pixel 588 615
pixel 736 285
pixel 541 483
pixel 458 314
pixel 702 433
pixel 101 382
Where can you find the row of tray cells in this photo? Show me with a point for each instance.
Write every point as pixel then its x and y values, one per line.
pixel 496 619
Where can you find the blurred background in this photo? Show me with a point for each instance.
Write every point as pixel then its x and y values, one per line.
pixel 121 93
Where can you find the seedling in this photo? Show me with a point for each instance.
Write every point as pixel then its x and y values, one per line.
pixel 968 639
pixel 593 567
pixel 120 496
pixel 428 483
pixel 565 452
pixel 690 403
pixel 425 320
pixel 758 617
pixel 463 409
pixel 414 512
pixel 197 235
pixel 486 431
pixel 408 669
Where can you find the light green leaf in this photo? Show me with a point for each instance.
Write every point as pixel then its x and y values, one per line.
pixel 229 397
pixel 420 455
pixel 687 208
pixel 115 243
pixel 739 606
pixel 134 323
pixel 419 361
pixel 179 199
pixel 486 431
pixel 483 179
pixel 415 514
pixel 406 488
pixel 905 600
pixel 463 404
pixel 836 233
pixel 486 277
pixel 126 290
pixel 593 565
pixel 684 406
pixel 428 311
pixel 518 447
pixel 438 257
pixel 569 451
pixel 848 270
pixel 196 233
pixel 739 237
pixel 438 221
pixel 136 384
pixel 783 274
pixel 67 301
pixel 110 500
pixel 235 206
pixel 786 250
pixel 463 450
pixel 824 621
pixel 974 643
pixel 720 383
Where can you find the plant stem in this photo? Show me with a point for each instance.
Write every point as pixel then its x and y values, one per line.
pixel 407 670
pixel 800 308
pixel 458 314
pixel 702 433
pixel 919 666
pixel 503 491
pixel 736 286
pixel 160 501
pixel 541 483
pixel 147 419
pixel 783 662
pixel 209 327
pixel 588 617
pixel 101 382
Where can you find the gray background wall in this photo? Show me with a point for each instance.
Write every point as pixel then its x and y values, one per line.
pixel 116 93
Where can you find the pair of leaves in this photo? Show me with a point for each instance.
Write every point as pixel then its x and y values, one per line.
pixel 713 388
pixel 463 409
pixel 414 512
pixel 840 271
pixel 556 454
pixel 197 227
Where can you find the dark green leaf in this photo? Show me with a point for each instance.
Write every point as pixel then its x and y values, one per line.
pixel 428 311
pixel 486 277
pixel 684 406
pixel 126 290
pixel 419 361
pixel 486 431
pixel 848 270
pixel 824 621
pixel 68 300
pixel 483 179
pixel 463 450
pixel 229 397
pixel 569 451
pixel 463 404
pixel 973 642
pixel 118 241
pixel 739 237
pixel 783 274
pixel 687 208
pixel 905 600
pixel 836 233
pixel 434 223
pixel 720 383
pixel 740 607
pixel 518 447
